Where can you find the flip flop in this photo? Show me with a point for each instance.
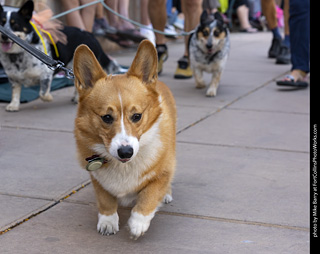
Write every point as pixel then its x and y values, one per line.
pixel 289 81
pixel 249 30
pixel 120 41
pixel 131 34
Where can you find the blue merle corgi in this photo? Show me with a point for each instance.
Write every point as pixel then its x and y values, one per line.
pixel 208 50
pixel 24 69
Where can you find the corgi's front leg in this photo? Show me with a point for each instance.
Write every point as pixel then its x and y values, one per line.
pixel 149 199
pixel 108 219
pixel 15 98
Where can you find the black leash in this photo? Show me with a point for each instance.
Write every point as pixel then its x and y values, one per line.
pixel 47 60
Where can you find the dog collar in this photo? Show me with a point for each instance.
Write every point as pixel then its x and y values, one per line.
pixel 95 162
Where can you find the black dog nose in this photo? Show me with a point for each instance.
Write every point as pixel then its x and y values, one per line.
pixel 209 46
pixel 125 152
pixel 4 37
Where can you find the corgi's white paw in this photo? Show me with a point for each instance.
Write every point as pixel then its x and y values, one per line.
pixel 167 199
pixel 108 225
pixel 212 91
pixel 139 224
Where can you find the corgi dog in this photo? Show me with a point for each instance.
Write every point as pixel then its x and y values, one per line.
pixel 125 134
pixel 23 69
pixel 209 48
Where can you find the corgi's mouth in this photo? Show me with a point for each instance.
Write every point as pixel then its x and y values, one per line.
pixel 124 160
pixel 6 45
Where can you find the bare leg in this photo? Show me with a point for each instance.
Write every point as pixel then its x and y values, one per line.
pixel 158 17
pixel 192 11
pixel 74 18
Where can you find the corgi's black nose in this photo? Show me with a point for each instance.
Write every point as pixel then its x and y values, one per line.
pixel 209 46
pixel 125 152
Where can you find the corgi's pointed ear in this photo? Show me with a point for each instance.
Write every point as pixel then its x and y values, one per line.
pixel 86 68
pixel 145 63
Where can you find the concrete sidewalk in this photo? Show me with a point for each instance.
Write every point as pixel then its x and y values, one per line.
pixel 242 180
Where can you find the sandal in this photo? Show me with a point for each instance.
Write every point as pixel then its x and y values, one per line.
pixel 249 30
pixel 120 41
pixel 131 34
pixel 289 81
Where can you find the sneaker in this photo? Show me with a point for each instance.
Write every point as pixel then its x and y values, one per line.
pixel 149 34
pixel 275 48
pixel 284 56
pixel 183 70
pixel 170 31
pixel 162 56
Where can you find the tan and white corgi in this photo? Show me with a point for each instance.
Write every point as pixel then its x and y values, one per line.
pixel 125 133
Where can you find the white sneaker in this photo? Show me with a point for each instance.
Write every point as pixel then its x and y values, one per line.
pixel 149 34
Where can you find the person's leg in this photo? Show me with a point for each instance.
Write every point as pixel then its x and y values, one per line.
pixel 73 18
pixel 158 18
pixel 243 16
pixel 299 24
pixel 269 11
pixel 284 56
pixel 145 20
pixel 88 14
pixel 113 19
pixel 192 10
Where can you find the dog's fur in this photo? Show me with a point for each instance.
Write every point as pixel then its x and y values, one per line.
pixel 24 69
pixel 209 49
pixel 129 120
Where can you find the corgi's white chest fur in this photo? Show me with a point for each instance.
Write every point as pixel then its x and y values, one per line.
pixel 121 179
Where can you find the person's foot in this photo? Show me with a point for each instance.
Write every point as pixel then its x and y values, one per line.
pixel 275 48
pixel 297 78
pixel 162 51
pixel 284 56
pixel 183 70
pixel 249 30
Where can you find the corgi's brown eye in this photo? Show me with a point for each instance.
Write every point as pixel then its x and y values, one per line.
pixel 136 117
pixel 107 119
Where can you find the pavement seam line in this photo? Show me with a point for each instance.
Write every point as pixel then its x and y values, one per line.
pixel 42 209
pixel 245 222
pixel 245 147
pixel 229 104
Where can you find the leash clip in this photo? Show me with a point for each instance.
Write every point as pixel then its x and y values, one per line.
pixel 60 66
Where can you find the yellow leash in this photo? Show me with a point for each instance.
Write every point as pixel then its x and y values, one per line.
pixel 42 40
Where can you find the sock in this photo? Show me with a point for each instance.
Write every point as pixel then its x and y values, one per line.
pixel 276 33
pixel 286 40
